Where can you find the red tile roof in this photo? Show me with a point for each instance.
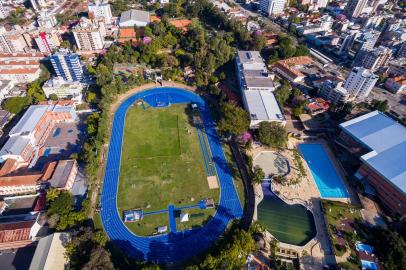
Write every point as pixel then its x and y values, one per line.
pixel 17 231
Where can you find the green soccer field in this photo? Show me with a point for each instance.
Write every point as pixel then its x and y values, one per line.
pixel 161 164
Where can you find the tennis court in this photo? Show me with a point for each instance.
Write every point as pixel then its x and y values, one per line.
pixel 174 246
pixel 291 224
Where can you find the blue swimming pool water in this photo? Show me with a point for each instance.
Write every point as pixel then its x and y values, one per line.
pixel 364 247
pixel 324 173
pixel 367 265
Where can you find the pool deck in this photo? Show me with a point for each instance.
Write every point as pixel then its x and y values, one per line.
pixel 307 193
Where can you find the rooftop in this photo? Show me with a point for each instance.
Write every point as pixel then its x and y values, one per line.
pixel 61 173
pixel 135 15
pixel 50 251
pixel 262 105
pixel 387 141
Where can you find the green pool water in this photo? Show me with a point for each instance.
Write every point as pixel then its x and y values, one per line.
pixel 291 224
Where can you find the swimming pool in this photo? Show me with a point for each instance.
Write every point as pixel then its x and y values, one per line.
pixel 364 247
pixel 324 173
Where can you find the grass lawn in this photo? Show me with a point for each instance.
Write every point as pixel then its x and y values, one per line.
pixel 341 218
pixel 196 216
pixel 161 163
pixel 149 224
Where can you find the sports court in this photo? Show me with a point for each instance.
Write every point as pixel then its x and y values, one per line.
pixel 176 245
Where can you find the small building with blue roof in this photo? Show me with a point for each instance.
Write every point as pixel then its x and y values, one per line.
pixel 380 143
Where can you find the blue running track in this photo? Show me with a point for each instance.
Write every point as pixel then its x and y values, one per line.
pixel 175 246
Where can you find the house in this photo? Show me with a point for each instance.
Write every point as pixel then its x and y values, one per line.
pixel 133 17
pixel 18 232
pixel 289 68
pixel 380 144
pixel 396 84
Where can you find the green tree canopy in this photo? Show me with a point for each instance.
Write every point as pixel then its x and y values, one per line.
pixel 235 119
pixel 16 104
pixel 258 175
pixel 272 134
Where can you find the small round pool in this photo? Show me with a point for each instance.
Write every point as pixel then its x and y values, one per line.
pixel 272 163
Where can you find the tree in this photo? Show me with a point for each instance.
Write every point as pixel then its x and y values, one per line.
pixel 390 247
pixel 16 104
pixel 302 50
pixel 258 175
pixel 52 194
pixel 272 134
pixel 380 105
pixel 99 259
pixel 53 97
pixel 282 94
pixel 34 90
pixel 235 119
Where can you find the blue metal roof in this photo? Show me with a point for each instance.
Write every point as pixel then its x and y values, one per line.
pixel 387 140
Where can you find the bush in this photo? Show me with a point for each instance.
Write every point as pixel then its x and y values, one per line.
pixel 272 134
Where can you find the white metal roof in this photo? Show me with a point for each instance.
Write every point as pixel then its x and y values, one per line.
pixel 30 119
pixel 262 105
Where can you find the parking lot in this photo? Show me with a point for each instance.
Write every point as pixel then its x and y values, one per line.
pixel 396 102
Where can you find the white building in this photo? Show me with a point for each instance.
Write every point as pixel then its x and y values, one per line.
pixel 101 9
pixel 5 88
pixel 47 41
pixel 20 67
pixel 12 41
pixel 360 83
pixel 318 4
pixel 324 25
pixel 257 89
pixel 63 89
pixel 3 11
pixel 89 35
pixel 134 17
pixel 355 8
pixel 376 58
pixel 335 93
pixel 272 7
pixel 47 20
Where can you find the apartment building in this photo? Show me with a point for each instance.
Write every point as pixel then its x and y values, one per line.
pixel 100 9
pixel 63 89
pixel 47 20
pixel 20 67
pixel 334 92
pixel 272 7
pixel 12 41
pixel 376 58
pixel 67 65
pixel 360 82
pixel 89 34
pixel 257 88
pixel 355 8
pixel 47 41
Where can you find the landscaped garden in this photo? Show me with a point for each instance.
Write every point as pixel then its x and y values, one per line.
pixel 342 221
pixel 161 164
